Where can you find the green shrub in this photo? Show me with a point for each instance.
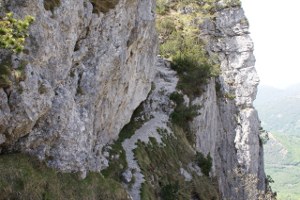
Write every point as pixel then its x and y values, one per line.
pixel 177 98
pixel 13 32
pixel 166 26
pixel 204 163
pixel 51 4
pixel 180 43
pixel 190 61
pixel 171 44
pixel 192 75
pixel 169 191
pixel 161 7
pixel 103 5
pixel 183 115
pixel 161 163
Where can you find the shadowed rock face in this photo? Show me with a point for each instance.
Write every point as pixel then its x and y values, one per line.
pixel 228 126
pixel 86 73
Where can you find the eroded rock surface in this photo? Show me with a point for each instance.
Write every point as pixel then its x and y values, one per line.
pixel 157 108
pixel 85 74
pixel 228 127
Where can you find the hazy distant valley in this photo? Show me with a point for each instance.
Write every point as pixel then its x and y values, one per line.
pixel 279 111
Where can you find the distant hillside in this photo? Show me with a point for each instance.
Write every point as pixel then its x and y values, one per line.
pixel 279 111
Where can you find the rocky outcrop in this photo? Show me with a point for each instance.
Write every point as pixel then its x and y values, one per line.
pixel 85 74
pixel 157 109
pixel 228 126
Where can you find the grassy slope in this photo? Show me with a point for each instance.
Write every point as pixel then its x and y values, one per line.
pixel 23 177
pixel 161 163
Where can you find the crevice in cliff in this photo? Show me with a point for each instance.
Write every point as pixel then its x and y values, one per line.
pixel 79 89
pixel 103 6
pixel 133 36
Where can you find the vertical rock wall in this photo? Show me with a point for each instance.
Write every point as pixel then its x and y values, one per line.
pixel 85 74
pixel 228 126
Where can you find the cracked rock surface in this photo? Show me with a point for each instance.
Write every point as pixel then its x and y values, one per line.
pixel 159 106
pixel 228 127
pixel 85 74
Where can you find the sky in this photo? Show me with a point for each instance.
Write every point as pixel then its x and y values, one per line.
pixel 275 30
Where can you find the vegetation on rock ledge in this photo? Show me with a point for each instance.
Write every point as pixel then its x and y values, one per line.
pixel 13 33
pixel 51 4
pixel 162 165
pixel 179 34
pixel 23 177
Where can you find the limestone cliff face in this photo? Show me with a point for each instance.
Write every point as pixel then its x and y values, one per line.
pixel 228 126
pixel 85 74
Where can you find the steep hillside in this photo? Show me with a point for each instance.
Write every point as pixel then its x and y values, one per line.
pixel 279 109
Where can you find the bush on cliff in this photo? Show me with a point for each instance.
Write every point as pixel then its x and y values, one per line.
pixel 13 32
pixel 178 28
pixel 205 163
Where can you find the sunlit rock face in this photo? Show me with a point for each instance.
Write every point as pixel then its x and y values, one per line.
pixel 228 126
pixel 85 74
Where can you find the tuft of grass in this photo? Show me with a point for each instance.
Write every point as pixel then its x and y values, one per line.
pixel 5 72
pixel 51 4
pixel 103 5
pixel 229 96
pixel 23 177
pixel 161 7
pixel 161 163
pixel 8 75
